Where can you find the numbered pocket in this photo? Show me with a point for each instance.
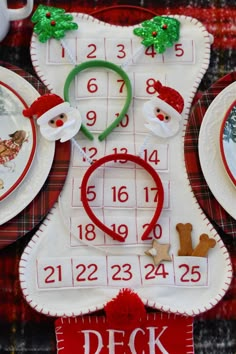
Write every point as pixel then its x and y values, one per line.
pixel 123 271
pixel 156 275
pixel 54 273
pixel 118 50
pixel 88 271
pixel 182 52
pixel 90 49
pixel 191 271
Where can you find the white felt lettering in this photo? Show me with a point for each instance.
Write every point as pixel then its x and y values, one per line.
pixel 86 346
pixel 112 343
pixel 133 338
pixel 116 339
pixel 155 341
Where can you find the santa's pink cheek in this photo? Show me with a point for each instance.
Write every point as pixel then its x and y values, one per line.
pixel 59 123
pixel 160 116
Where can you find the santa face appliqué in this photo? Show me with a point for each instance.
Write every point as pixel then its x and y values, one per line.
pixel 63 126
pixel 56 118
pixel 163 113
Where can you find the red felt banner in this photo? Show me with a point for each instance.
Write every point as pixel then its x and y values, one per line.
pixel 158 333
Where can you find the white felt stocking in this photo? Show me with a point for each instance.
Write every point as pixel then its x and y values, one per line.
pixel 70 266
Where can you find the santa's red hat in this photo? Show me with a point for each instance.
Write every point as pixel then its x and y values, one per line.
pixel 169 100
pixel 46 107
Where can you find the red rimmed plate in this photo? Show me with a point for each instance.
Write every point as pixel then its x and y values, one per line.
pixel 17 140
pixel 228 142
pixel 222 216
pixel 24 209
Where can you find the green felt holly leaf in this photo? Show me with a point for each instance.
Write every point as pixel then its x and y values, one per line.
pixel 161 32
pixel 52 22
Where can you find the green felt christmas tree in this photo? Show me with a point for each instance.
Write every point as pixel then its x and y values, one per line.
pixel 161 32
pixel 52 22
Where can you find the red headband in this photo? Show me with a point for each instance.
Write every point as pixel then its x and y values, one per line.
pixel 128 157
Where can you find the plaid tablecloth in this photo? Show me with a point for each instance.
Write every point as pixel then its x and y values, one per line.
pixel 21 328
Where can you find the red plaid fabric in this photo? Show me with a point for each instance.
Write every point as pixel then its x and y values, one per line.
pixel 23 330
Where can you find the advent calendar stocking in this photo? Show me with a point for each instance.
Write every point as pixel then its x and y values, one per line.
pixel 71 266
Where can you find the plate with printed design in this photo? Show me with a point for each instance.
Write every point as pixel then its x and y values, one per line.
pixel 228 142
pixel 215 158
pixel 17 140
pixel 34 168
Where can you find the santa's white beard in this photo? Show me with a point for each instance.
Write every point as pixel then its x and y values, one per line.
pixel 162 129
pixel 69 129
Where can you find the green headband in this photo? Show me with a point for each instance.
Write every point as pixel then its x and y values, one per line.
pixel 119 71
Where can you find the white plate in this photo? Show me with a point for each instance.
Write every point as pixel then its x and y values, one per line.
pixel 17 141
pixel 228 142
pixel 209 150
pixel 42 162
